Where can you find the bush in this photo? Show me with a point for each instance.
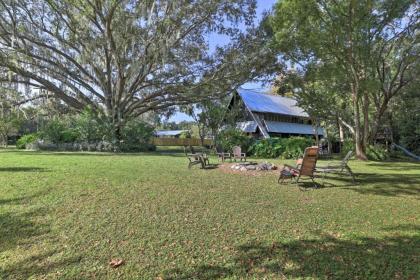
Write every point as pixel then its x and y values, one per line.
pixel 295 146
pixel 268 148
pixel 69 136
pixel 229 138
pixel 88 132
pixel 185 135
pixel 91 129
pixel 373 152
pixel 25 140
pixel 292 147
pixel 377 153
pixel 348 145
pixel 59 131
pixel 136 137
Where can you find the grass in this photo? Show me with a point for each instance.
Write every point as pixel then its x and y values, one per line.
pixel 66 215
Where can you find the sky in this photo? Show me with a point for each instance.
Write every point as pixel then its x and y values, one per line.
pixel 214 40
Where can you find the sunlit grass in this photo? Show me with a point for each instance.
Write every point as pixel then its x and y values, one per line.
pixel 66 215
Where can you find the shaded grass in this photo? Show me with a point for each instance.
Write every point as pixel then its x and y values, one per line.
pixel 65 215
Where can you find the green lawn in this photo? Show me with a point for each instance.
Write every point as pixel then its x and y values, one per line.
pixel 66 215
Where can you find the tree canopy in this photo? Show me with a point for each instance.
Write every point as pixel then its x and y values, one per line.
pixel 123 58
pixel 351 57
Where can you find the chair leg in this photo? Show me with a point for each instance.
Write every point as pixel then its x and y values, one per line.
pixel 313 182
pixel 324 174
pixel 351 174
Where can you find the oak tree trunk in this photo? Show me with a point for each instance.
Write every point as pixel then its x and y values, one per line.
pixel 358 141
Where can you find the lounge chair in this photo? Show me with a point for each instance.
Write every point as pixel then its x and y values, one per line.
pixel 305 168
pixel 237 154
pixel 196 158
pixel 222 155
pixel 338 168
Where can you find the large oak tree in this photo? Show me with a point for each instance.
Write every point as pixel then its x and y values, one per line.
pixel 123 58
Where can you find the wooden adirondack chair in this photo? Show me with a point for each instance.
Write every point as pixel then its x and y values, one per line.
pixel 222 155
pixel 237 153
pixel 305 168
pixel 339 168
pixel 196 158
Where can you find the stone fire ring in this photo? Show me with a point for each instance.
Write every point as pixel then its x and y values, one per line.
pixel 253 166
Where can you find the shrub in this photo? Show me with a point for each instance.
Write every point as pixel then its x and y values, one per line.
pixel 59 131
pixel 292 147
pixel 87 131
pixel 25 140
pixel 268 148
pixel 377 152
pixel 233 137
pixel 90 128
pixel 69 135
pixel 373 152
pixel 348 145
pixel 295 146
pixel 185 134
pixel 136 137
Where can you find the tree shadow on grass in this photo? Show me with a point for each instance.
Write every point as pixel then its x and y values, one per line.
pixel 92 154
pixel 327 257
pixel 23 169
pixel 26 230
pixel 211 166
pixel 18 229
pixel 397 166
pixel 17 200
pixel 388 184
pixel 377 184
pixel 38 265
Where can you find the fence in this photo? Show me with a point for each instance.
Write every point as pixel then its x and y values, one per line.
pixel 181 142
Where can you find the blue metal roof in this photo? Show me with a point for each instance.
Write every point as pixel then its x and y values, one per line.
pixel 292 128
pixel 257 101
pixel 248 127
pixel 169 132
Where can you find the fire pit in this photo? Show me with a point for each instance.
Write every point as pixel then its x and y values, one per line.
pixel 254 166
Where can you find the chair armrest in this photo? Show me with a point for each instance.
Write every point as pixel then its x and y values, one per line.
pixel 290 167
pixel 195 156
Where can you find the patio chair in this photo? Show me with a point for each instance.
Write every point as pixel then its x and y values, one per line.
pixel 305 168
pixel 237 153
pixel 339 168
pixel 196 158
pixel 222 155
pixel 203 155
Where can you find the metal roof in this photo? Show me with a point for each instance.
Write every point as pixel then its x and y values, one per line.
pixel 248 127
pixel 291 128
pixel 169 132
pixel 257 101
